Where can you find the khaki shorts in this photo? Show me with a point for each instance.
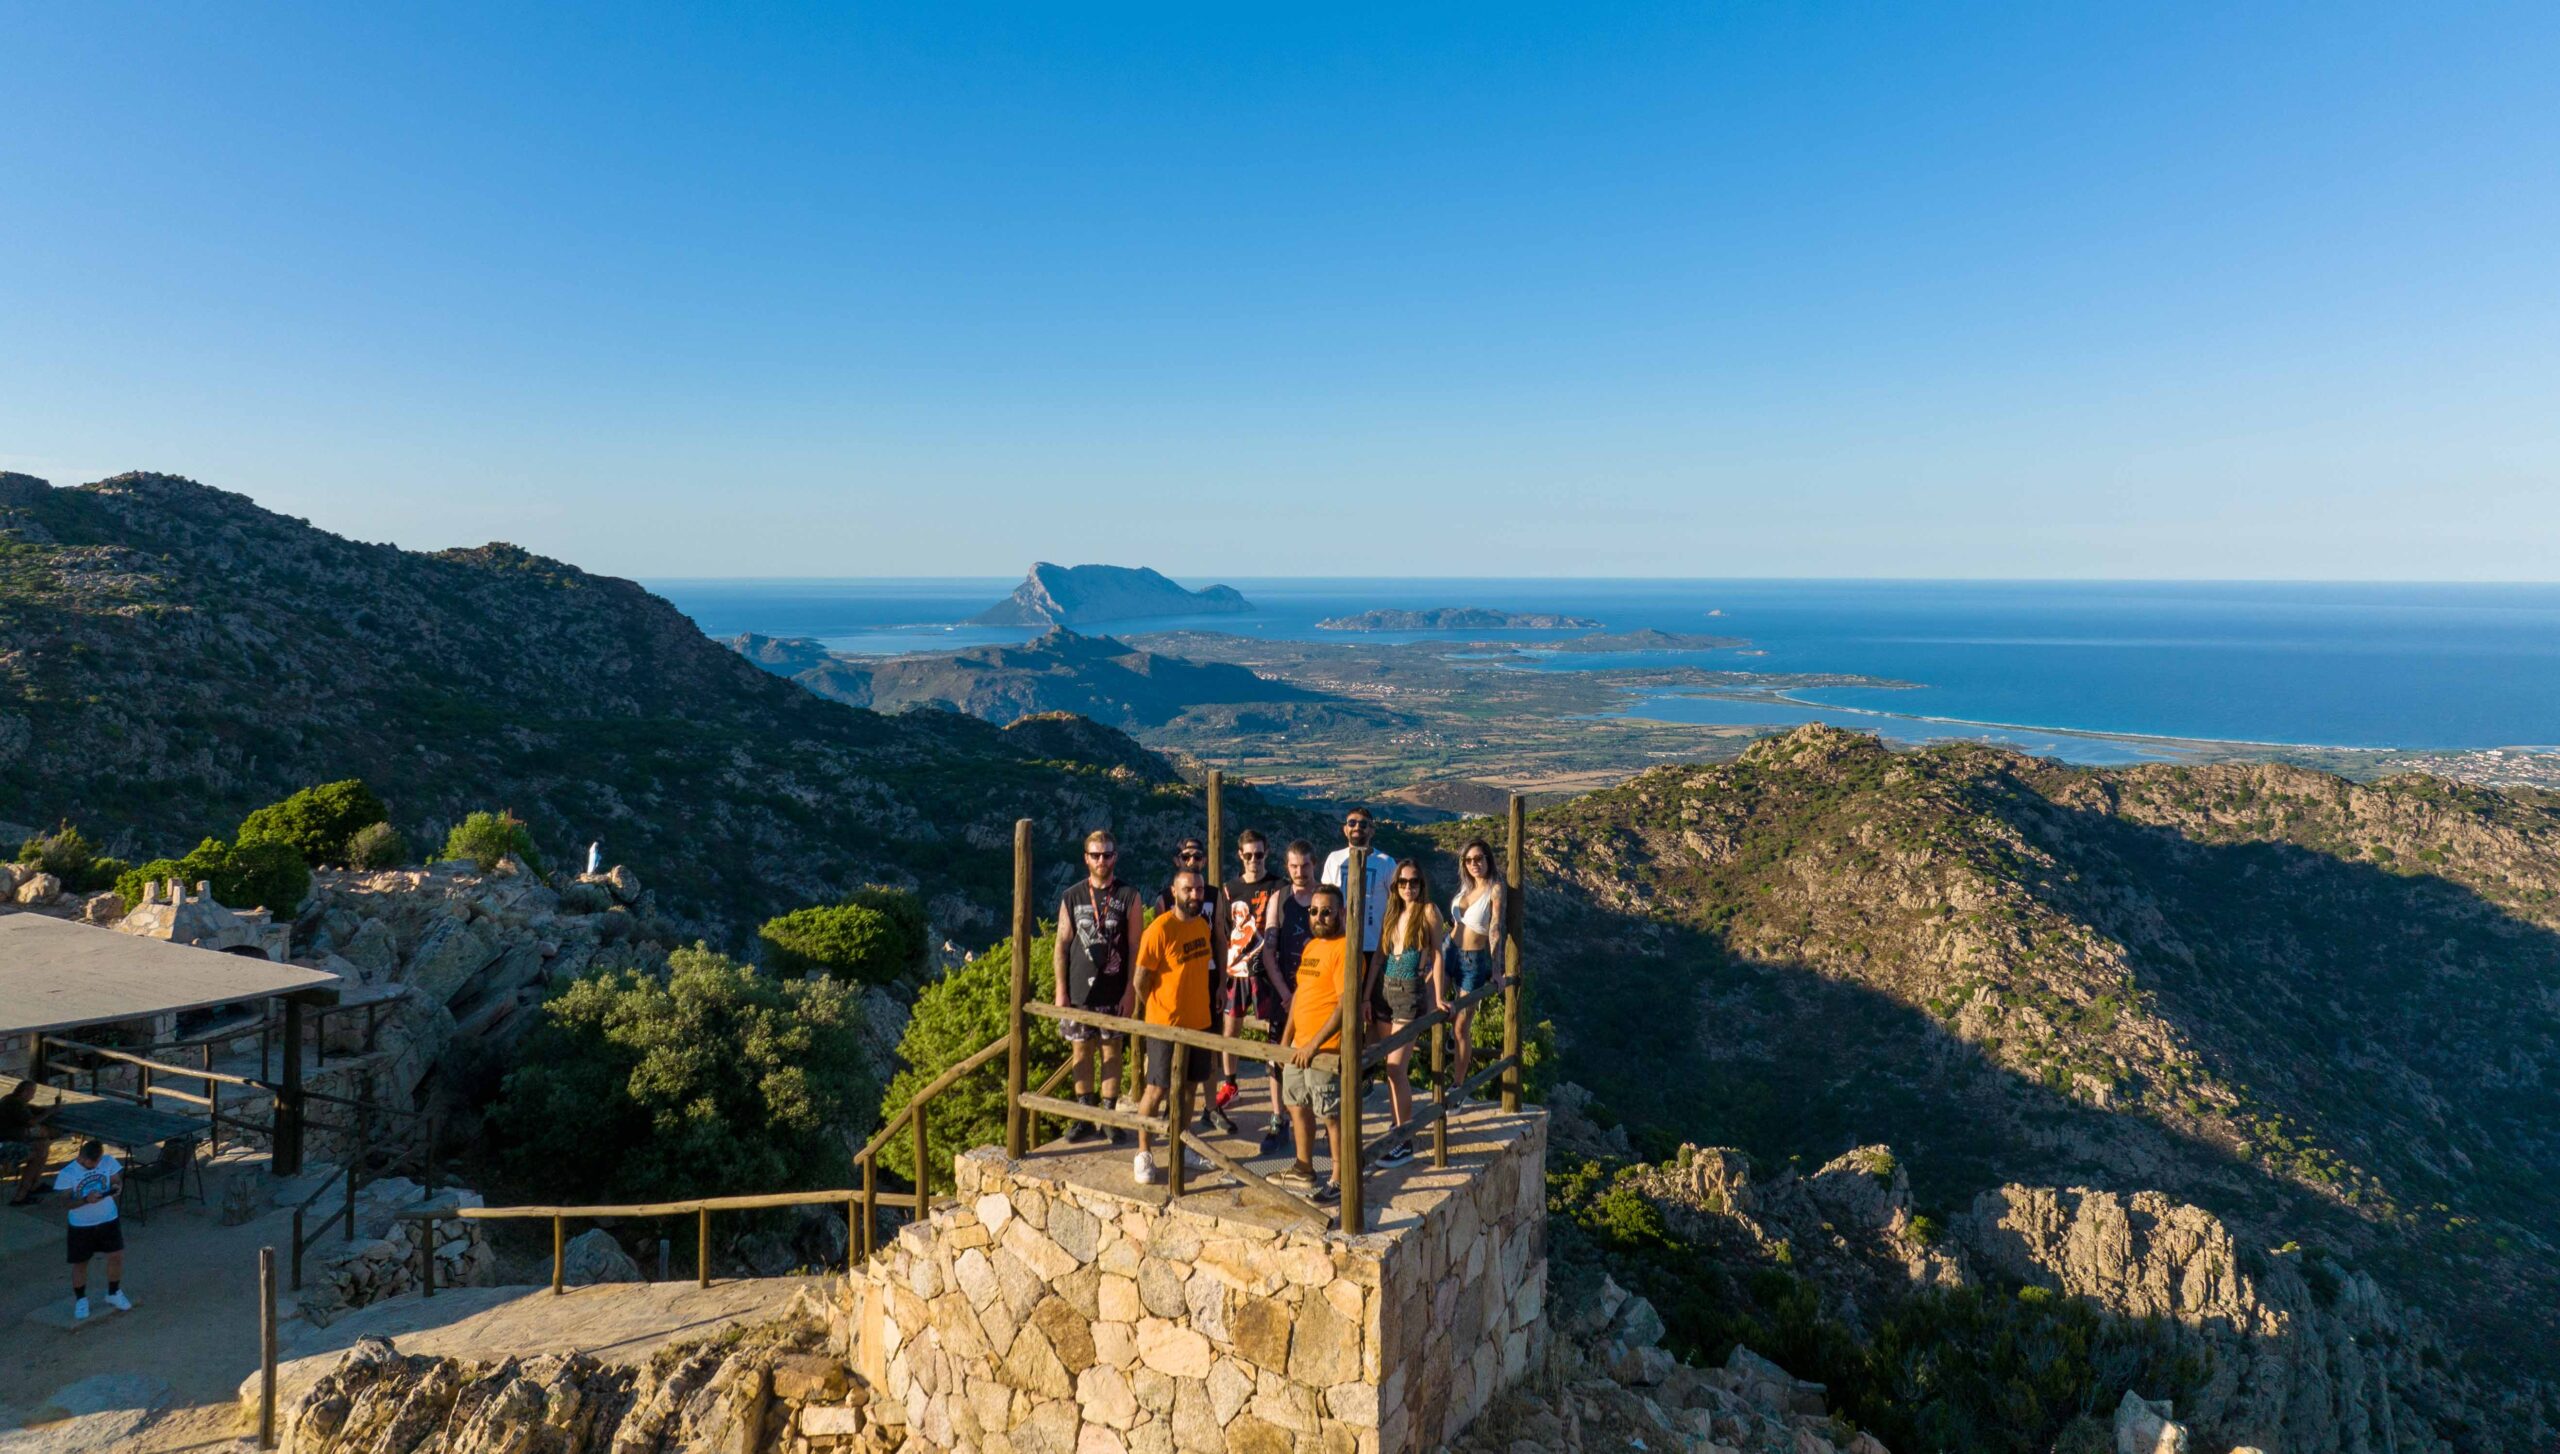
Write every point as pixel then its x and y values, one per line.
pixel 1318 1090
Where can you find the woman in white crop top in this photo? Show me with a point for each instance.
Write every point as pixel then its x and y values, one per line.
pixel 1475 927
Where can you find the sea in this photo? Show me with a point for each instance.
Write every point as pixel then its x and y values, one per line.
pixel 2086 671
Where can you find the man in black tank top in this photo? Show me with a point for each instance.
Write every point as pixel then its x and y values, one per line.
pixel 1286 932
pixel 1098 928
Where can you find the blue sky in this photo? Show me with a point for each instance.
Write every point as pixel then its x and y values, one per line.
pixel 1711 289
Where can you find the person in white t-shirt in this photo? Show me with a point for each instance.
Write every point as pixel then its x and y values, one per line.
pixel 1377 891
pixel 92 1181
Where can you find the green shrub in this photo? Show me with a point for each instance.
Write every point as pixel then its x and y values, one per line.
pixel 266 873
pixel 377 845
pixel 71 856
pixel 905 913
pixel 715 1079
pixel 956 1015
pixel 484 838
pixel 845 941
pixel 317 821
pixel 1537 1051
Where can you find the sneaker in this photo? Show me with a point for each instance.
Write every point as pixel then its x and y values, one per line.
pixel 1225 1124
pixel 118 1301
pixel 1115 1136
pixel 1326 1194
pixel 1142 1169
pixel 1396 1155
pixel 1296 1178
pixel 1272 1133
pixel 1079 1132
pixel 79 1309
pixel 1226 1094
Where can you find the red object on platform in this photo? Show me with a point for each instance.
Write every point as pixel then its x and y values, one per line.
pixel 1226 1094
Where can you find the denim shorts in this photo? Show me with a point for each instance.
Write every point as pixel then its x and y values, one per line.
pixel 1475 970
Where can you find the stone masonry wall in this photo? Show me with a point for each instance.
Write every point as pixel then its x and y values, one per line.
pixel 1038 1316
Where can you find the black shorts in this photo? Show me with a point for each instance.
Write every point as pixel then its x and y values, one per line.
pixel 97 1241
pixel 1404 997
pixel 1195 1071
pixel 1252 996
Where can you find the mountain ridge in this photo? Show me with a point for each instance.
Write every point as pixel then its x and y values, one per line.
pixel 1055 595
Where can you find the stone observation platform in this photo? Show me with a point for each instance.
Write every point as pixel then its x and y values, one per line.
pixel 1054 1308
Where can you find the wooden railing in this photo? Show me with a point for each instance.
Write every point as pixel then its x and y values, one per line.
pixel 1025 1105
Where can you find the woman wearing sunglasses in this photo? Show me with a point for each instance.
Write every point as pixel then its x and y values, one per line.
pixel 1476 919
pixel 1409 978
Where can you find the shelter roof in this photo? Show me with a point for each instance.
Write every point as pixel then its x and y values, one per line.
pixel 55 975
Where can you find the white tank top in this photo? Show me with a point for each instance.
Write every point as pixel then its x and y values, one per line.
pixel 1478 917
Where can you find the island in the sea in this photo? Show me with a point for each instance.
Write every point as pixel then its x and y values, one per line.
pixel 1648 639
pixel 1456 618
pixel 1063 595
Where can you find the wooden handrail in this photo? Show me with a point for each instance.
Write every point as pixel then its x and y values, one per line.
pixel 935 1087
pixel 161 1066
pixel 761 1201
pixel 1266 1051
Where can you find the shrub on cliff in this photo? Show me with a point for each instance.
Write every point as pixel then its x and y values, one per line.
pixel 874 939
pixel 317 821
pixel 71 856
pixel 266 873
pixel 955 1015
pixel 484 838
pixel 716 1079
pixel 377 845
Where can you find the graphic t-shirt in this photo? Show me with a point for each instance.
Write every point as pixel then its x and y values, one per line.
pixel 1319 991
pixel 1098 943
pixel 1246 906
pixel 78 1181
pixel 1175 956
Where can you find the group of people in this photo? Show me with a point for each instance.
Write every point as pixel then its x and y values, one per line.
pixel 89 1184
pixel 1269 947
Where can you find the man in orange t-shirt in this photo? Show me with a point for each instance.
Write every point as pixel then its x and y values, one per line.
pixel 1313 1028
pixel 1175 965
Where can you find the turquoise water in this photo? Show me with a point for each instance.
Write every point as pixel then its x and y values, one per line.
pixel 2416 666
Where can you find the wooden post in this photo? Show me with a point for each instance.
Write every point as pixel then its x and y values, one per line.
pixel 297 1249
pixel 559 1255
pixel 1017 1140
pixel 142 1084
pixel 924 1169
pixel 350 1175
pixel 1217 831
pixel 266 1347
pixel 870 1201
pixel 287 1160
pixel 852 1248
pixel 36 1066
pixel 1355 1007
pixel 435 1133
pixel 702 1246
pixel 1515 873
pixel 1440 1095
pixel 1178 1088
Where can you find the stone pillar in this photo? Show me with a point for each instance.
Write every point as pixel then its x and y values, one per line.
pixel 1039 1313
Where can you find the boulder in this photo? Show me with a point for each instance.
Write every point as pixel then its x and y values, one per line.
pixel 624 883
pixel 595 1256
pixel 2144 1427
pixel 39 888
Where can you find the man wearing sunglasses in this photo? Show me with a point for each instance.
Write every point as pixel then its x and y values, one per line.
pixel 1377 892
pixel 1251 984
pixel 1098 926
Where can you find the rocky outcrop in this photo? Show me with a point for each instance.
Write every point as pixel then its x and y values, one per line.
pixel 777 1389
pixel 185 914
pixel 1053 595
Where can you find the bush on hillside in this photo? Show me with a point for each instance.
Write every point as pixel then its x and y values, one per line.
pixel 71 856
pixel 317 821
pixel 267 873
pixel 855 941
pixel 956 1015
pixel 377 845
pixel 484 838
pixel 715 1079
pixel 905 913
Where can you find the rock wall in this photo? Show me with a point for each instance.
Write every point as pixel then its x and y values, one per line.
pixel 1045 1317
pixel 340 1274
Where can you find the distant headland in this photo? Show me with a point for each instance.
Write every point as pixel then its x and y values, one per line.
pixel 1456 618
pixel 1058 595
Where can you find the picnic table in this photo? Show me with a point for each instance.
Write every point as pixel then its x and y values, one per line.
pixel 121 1124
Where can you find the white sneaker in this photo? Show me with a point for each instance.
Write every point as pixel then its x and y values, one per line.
pixel 79 1309
pixel 118 1301
pixel 1143 1167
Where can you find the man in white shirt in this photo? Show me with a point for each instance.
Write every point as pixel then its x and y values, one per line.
pixel 1377 887
pixel 92 1181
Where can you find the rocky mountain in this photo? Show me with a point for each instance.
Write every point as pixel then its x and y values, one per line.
pixel 1055 595
pixel 1096 677
pixel 172 656
pixel 2324 1016
pixel 1456 618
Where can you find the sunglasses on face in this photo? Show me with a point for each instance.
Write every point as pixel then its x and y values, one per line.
pixel 1102 853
